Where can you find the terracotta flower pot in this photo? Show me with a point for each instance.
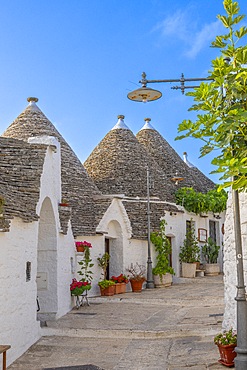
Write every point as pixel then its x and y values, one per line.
pixel 120 288
pixel 136 285
pixel 107 291
pixel 227 354
pixel 80 248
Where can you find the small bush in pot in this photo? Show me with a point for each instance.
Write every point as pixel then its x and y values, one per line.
pixel 189 253
pixel 107 287
pixel 137 276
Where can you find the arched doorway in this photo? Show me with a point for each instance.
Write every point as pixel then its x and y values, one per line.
pixel 114 246
pixel 47 263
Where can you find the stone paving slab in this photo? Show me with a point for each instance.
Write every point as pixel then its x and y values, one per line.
pixel 158 329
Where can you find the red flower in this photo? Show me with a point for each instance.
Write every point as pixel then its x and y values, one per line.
pixel 83 244
pixel 120 279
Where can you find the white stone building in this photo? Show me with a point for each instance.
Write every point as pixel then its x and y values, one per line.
pixel 230 265
pixel 108 207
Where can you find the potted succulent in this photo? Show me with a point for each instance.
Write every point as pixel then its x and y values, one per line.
pixel 210 252
pixel 226 342
pixel 120 283
pixel 107 287
pixel 162 271
pixel 137 276
pixel 189 254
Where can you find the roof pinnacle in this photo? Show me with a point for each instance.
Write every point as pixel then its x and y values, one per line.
pixel 32 99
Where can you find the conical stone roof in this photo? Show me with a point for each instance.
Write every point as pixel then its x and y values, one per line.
pixel 77 187
pixel 169 161
pixel 118 165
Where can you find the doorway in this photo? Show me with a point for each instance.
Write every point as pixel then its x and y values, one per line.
pixel 47 264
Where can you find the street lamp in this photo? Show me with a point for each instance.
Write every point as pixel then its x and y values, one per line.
pixel 150 281
pixel 145 94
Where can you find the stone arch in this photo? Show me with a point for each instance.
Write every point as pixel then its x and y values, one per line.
pixel 47 263
pixel 115 237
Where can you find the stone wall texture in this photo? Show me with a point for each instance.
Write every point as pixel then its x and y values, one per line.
pixel 230 266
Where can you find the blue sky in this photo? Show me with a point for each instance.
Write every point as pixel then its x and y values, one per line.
pixel 81 58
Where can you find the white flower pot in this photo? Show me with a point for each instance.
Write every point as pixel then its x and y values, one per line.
pixel 165 281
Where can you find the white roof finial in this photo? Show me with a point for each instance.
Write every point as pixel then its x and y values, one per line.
pixel 120 123
pixel 189 164
pixel 147 125
pixel 32 103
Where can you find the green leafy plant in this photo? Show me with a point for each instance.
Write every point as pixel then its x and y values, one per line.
pixel 103 263
pixel 226 337
pixel 210 251
pixel 163 249
pixel 105 283
pixel 86 265
pixel 212 201
pixel 190 250
pixel 222 103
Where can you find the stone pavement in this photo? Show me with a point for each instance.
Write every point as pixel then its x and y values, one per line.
pixel 158 329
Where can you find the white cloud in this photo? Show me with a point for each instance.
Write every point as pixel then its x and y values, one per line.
pixel 203 38
pixel 194 37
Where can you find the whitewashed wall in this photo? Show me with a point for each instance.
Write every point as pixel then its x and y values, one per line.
pixel 18 306
pixel 18 323
pixel 230 270
pixel 176 229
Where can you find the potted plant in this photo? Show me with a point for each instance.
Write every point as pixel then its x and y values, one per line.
pixel 189 254
pixel 120 283
pixel 162 271
pixel 81 246
pixel 78 287
pixel 226 342
pixel 210 252
pixel 137 276
pixel 64 203
pixel 86 264
pixel 81 287
pixel 107 287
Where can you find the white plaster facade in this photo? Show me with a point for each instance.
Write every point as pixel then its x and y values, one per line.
pixel 40 245
pixel 230 266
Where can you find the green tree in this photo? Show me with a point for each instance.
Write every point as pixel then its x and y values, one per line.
pixel 222 103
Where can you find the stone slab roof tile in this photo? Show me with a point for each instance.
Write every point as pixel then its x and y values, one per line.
pixel 170 162
pixel 137 213
pixel 118 165
pixel 77 186
pixel 21 167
